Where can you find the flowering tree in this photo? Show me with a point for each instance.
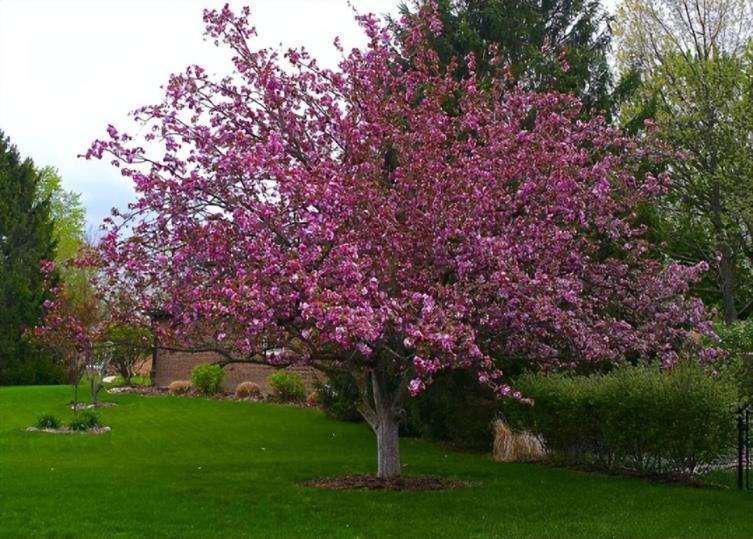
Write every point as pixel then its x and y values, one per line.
pixel 69 328
pixel 84 325
pixel 387 220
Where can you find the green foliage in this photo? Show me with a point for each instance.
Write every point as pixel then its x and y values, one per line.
pixel 287 386
pixel 456 410
pixel 522 29
pixel 26 238
pixel 640 418
pixel 703 109
pixel 207 378
pixel 48 421
pixel 67 211
pixel 736 340
pixel 338 397
pixel 35 369
pixel 84 420
pixel 130 347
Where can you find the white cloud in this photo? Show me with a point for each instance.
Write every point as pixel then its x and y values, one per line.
pixel 70 67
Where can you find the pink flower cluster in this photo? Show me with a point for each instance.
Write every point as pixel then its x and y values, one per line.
pixel 384 215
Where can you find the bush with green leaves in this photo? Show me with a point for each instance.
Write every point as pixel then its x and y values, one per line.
pixel 83 421
pixel 640 418
pixel 287 386
pixel 456 410
pixel 48 421
pixel 338 397
pixel 736 340
pixel 207 378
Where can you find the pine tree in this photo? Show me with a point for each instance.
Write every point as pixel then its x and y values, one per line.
pixel 26 238
pixel 536 38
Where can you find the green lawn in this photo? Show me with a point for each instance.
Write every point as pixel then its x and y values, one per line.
pixel 177 467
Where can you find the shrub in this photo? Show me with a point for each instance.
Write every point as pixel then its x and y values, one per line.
pixel 84 421
pixel 456 410
pixel 34 370
pixel 312 398
pixel 179 387
pixel 245 390
pixel 288 387
pixel 338 397
pixel 639 418
pixel 207 378
pixel 48 422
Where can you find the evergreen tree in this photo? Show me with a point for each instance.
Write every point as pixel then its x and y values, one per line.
pixel 536 38
pixel 26 238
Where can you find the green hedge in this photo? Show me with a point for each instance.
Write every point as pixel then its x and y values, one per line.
pixel 636 418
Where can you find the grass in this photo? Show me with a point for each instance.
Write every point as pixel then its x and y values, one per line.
pixel 178 467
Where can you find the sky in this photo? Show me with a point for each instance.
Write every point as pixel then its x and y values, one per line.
pixel 70 67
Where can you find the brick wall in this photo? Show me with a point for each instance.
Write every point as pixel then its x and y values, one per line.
pixel 173 366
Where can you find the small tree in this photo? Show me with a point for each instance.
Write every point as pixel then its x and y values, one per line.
pixel 129 348
pixel 69 325
pixel 83 325
pixel 388 220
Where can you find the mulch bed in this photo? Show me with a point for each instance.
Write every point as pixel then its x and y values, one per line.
pixel 372 482
pixel 65 430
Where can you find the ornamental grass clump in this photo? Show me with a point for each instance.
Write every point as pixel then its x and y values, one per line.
pixel 511 446
pixel 640 418
pixel 246 390
pixel 179 387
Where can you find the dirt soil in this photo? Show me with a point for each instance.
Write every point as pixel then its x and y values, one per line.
pixel 372 482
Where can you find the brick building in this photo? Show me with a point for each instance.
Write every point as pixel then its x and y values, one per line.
pixel 170 366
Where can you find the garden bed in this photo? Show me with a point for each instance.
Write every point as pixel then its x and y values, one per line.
pixel 90 406
pixel 163 391
pixel 66 430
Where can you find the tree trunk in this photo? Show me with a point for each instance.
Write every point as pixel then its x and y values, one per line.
pixel 388 446
pixel 727 285
pixel 381 401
